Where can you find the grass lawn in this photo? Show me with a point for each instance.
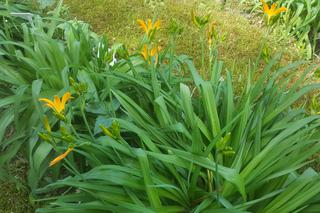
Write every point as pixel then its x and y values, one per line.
pixel 242 39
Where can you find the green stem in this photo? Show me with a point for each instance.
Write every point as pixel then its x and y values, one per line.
pixel 172 49
pixel 132 67
pixel 84 117
pixel 217 177
pixel 202 41
pixel 155 82
pixel 71 168
pixel 110 95
pixel 73 129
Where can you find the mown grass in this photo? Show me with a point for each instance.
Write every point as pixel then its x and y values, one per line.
pixel 242 41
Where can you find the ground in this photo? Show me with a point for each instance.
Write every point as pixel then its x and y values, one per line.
pixel 13 191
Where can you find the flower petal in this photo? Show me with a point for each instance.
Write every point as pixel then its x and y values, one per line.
pixel 64 100
pixel 153 51
pixel 144 52
pixel 48 102
pixel 280 10
pixel 157 25
pixel 149 25
pixel 265 6
pixel 57 104
pixel 142 25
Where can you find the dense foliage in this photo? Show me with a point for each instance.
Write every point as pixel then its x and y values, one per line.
pixel 146 132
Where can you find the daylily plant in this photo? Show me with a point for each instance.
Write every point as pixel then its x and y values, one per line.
pixel 57 105
pixel 271 11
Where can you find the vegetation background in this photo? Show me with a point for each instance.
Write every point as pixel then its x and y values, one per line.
pixel 243 39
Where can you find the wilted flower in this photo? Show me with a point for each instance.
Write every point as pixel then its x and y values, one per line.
pixel 61 157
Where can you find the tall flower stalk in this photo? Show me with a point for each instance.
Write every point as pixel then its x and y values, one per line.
pixel 58 106
pixel 200 23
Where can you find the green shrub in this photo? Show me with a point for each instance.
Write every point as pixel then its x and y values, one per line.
pixel 50 52
pixel 199 151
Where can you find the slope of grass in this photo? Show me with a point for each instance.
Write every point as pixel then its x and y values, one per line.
pixel 242 40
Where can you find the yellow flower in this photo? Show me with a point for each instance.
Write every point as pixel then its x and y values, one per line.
pixel 144 52
pixel 57 105
pixel 153 52
pixel 61 157
pixel 148 27
pixel 272 11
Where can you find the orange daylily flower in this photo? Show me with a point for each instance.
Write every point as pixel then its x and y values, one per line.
pixel 148 27
pixel 144 52
pixel 61 157
pixel 57 105
pixel 153 52
pixel 272 11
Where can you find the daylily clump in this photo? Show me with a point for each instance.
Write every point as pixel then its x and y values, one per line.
pixel 271 11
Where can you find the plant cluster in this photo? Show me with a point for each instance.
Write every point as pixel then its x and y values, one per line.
pixel 145 132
